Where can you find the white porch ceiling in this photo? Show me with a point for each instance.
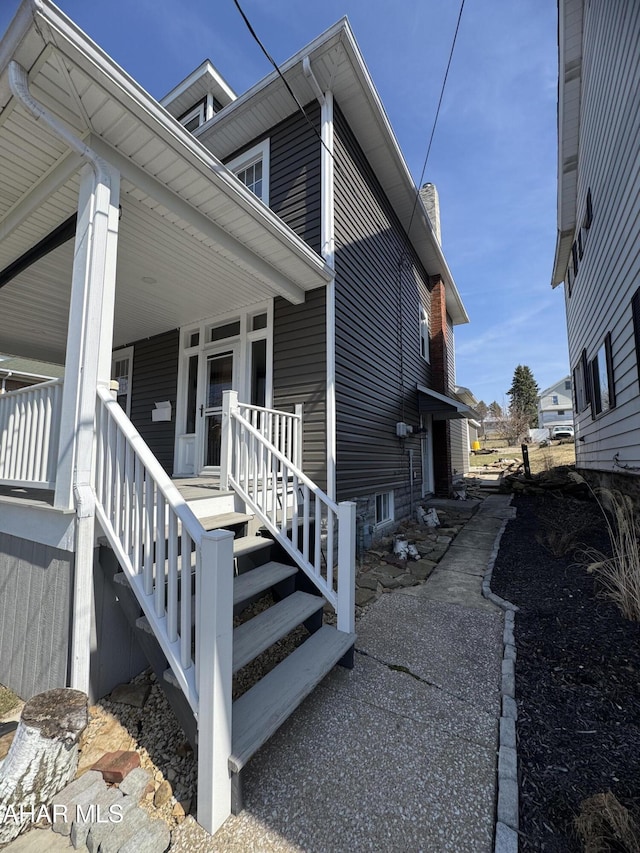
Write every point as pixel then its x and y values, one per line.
pixel 193 241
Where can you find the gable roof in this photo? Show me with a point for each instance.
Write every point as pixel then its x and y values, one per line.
pixel 29 368
pixel 338 65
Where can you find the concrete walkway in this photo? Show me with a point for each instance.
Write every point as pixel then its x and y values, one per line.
pixel 398 754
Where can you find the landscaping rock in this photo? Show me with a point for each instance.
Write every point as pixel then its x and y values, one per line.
pixel 421 569
pixel 163 794
pixel 136 784
pixel 81 792
pixel 367 581
pixel 156 838
pixel 135 694
pixel 364 596
pixel 115 766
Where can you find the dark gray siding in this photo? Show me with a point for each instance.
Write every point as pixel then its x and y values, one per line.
pixel 155 378
pixel 378 360
pixel 294 183
pixel 35 607
pixel 299 333
pixel 300 373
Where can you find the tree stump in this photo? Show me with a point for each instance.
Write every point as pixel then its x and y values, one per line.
pixel 42 759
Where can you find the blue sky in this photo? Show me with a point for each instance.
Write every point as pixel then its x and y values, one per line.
pixel 493 159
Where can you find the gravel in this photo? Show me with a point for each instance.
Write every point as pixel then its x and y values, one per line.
pixel 577 684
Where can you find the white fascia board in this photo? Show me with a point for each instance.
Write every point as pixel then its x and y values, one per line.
pixel 68 38
pixel 570 14
pixel 205 68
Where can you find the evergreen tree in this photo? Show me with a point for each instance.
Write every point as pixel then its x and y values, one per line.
pixel 495 410
pixel 524 395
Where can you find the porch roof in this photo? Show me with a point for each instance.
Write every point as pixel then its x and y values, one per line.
pixel 194 241
pixel 443 408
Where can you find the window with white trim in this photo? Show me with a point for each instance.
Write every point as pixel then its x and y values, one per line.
pixel 424 333
pixel 384 508
pixel 194 118
pixel 252 168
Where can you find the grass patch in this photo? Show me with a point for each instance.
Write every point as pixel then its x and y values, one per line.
pixel 604 825
pixel 8 700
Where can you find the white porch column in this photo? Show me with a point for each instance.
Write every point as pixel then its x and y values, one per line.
pixel 328 253
pixel 90 330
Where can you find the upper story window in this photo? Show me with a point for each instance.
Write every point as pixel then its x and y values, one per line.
pixel 194 117
pixel 424 334
pixel 252 168
pixel 554 400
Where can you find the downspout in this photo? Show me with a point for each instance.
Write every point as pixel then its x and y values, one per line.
pixel 89 312
pixel 327 239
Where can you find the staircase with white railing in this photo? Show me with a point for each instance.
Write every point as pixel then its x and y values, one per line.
pixel 187 581
pixel 182 576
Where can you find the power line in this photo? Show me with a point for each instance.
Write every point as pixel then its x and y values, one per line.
pixel 437 115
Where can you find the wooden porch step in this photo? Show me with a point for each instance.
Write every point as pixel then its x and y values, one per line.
pixel 242 546
pixel 258 580
pixel 259 712
pixel 256 635
pixel 245 586
pixel 225 519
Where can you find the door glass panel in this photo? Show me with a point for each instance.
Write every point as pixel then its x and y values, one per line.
pixel 192 394
pixel 219 378
pixel 258 372
pixel 213 445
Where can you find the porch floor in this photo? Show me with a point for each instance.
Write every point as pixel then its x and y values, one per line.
pixel 193 488
pixel 30 497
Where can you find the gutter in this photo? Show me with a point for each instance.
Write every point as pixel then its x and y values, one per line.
pixel 327 242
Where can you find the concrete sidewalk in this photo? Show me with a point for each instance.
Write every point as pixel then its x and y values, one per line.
pixel 398 754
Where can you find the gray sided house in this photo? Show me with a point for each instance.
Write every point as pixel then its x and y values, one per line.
pixel 256 321
pixel 598 230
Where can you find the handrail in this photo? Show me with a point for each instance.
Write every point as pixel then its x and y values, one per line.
pixel 154 534
pixel 282 429
pixel 29 428
pixel 305 521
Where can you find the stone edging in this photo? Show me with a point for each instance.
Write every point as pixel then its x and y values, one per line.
pixel 506 831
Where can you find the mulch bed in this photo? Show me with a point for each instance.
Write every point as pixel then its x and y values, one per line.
pixel 577 675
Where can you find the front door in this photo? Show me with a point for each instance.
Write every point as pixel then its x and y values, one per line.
pixel 219 374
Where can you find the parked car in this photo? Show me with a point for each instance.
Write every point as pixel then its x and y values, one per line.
pixel 562 431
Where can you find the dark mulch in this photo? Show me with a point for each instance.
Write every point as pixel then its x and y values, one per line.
pixel 577 676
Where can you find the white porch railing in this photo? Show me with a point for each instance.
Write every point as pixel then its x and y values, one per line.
pixel 304 520
pixel 29 432
pixel 183 580
pixel 282 429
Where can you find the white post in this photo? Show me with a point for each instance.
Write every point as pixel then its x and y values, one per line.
pixel 328 253
pixel 229 405
pixel 299 425
pixel 214 650
pixel 347 567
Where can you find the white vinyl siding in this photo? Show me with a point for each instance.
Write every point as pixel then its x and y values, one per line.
pixel 609 270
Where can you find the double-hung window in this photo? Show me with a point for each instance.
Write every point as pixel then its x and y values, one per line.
pixel 252 168
pixel 424 333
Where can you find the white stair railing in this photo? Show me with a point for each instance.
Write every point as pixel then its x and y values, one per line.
pixel 159 543
pixel 282 429
pixel 29 429
pixel 302 518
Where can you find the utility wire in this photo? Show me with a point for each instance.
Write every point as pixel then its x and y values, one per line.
pixel 437 115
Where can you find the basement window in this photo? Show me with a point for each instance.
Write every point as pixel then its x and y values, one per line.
pixel 384 508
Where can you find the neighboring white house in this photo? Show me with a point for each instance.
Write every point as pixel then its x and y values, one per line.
pixel 597 254
pixel 555 405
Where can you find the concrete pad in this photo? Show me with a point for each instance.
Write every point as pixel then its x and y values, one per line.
pixel 465 560
pixel 456 648
pixel 477 538
pixel 453 588
pixel 392 689
pixel 404 786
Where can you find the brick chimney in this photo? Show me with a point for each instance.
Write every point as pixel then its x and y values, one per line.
pixel 431 202
pixel 442 469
